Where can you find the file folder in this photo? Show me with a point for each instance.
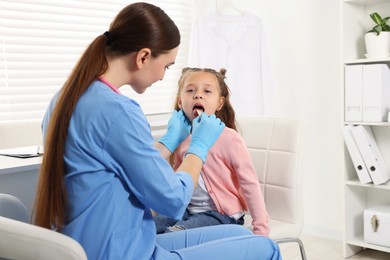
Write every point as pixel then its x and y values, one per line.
pixel 23 152
pixel 353 93
pixel 357 160
pixel 371 154
pixel 376 92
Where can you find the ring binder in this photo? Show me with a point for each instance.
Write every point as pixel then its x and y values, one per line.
pixel 371 154
pixel 357 160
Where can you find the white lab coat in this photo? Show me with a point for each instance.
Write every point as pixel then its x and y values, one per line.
pixel 236 43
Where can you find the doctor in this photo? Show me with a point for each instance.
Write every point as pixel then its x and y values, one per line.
pixel 101 172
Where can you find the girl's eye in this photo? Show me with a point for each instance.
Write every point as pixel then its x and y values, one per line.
pixel 190 90
pixel 208 91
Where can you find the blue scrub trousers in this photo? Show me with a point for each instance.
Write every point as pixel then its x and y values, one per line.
pixel 215 242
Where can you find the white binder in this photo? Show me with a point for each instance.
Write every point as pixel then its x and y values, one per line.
pixel 353 93
pixel 371 154
pixel 357 160
pixel 376 92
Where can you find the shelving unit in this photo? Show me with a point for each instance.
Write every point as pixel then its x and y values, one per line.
pixel 355 23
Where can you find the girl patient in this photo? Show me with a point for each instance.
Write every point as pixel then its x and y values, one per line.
pixel 228 184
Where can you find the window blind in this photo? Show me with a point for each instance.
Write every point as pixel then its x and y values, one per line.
pixel 41 40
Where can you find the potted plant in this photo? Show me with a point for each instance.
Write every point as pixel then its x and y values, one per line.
pixel 378 38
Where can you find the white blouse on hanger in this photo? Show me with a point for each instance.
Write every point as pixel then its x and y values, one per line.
pixel 236 43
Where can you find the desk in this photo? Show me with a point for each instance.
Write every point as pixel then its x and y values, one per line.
pixel 19 177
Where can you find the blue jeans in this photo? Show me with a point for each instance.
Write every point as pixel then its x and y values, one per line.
pixel 165 224
pixel 228 242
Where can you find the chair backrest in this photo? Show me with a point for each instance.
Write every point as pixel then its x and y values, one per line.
pixel 19 240
pixel 20 133
pixel 12 207
pixel 275 145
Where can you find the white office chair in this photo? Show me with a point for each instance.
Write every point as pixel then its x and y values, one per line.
pixel 20 240
pixel 275 145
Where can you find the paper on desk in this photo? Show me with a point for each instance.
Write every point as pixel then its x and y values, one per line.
pixel 23 152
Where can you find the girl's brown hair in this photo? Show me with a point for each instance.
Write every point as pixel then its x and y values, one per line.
pixel 137 26
pixel 226 114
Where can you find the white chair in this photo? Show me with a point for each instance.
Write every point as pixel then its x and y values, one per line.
pixel 12 207
pixel 20 133
pixel 20 240
pixel 275 145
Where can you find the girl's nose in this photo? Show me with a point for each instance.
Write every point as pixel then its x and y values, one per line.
pixel 198 95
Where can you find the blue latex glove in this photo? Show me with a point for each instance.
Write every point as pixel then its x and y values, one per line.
pixel 205 131
pixel 178 129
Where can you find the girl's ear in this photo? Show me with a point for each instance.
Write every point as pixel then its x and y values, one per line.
pixel 178 99
pixel 143 56
pixel 221 103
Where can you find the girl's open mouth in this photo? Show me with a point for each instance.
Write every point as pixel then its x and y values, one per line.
pixel 197 111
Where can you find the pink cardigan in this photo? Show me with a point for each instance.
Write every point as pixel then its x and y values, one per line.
pixel 231 179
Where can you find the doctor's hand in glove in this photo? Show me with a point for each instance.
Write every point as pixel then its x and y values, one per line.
pixel 205 131
pixel 178 129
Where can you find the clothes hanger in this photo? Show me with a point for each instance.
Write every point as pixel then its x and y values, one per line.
pixel 227 7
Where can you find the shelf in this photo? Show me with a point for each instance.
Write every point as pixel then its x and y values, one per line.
pixel 355 23
pixel 366 2
pixel 359 241
pixel 385 186
pixel 367 61
pixel 367 123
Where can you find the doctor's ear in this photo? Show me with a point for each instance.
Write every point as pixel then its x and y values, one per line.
pixel 143 57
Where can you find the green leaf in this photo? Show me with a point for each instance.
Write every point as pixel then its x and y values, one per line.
pixel 384 20
pixel 377 28
pixel 381 23
pixel 376 18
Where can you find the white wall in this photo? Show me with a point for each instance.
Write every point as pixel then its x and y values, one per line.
pixel 304 47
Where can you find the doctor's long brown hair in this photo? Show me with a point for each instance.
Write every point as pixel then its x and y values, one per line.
pixel 137 26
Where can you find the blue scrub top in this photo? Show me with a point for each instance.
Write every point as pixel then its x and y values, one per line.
pixel 114 175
